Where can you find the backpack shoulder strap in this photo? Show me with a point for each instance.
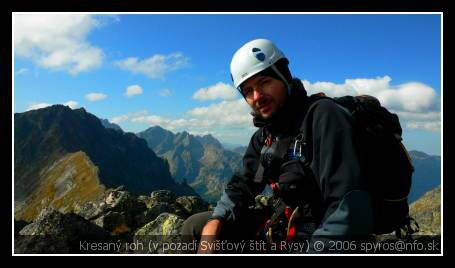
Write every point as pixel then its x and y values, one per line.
pixel 303 135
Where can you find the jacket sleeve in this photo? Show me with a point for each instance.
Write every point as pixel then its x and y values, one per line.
pixel 241 189
pixel 336 165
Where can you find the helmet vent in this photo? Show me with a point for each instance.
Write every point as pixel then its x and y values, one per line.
pixel 258 54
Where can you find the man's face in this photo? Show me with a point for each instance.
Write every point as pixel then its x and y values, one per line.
pixel 265 94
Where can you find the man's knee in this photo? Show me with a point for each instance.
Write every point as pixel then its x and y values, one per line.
pixel 192 227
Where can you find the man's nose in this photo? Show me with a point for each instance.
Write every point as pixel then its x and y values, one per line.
pixel 256 94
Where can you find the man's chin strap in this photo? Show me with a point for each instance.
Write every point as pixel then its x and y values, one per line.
pixel 288 86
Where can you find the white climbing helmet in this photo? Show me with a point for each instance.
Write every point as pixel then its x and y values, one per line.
pixel 253 57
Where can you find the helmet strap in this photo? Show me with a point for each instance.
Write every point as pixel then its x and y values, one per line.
pixel 275 69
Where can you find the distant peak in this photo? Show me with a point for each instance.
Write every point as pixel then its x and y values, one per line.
pixel 56 107
pixel 418 154
pixel 107 124
pixel 156 128
pixel 51 108
pixel 209 139
pixel 156 132
pixel 209 136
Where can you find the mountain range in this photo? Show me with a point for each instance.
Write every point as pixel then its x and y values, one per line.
pixel 427 174
pixel 63 155
pixel 201 161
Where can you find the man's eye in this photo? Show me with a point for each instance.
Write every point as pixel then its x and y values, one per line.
pixel 247 91
pixel 265 81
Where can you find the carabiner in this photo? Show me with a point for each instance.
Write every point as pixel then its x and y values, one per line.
pixel 300 148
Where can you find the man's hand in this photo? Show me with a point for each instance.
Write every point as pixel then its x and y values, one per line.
pixel 210 233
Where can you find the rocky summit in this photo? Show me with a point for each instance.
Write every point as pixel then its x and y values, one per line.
pixel 120 222
pixel 109 224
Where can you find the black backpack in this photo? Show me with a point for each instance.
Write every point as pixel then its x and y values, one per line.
pixel 387 163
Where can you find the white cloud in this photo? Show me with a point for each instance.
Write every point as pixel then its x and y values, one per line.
pixel 429 126
pixel 217 91
pixel 155 67
pixel 165 92
pixel 200 133
pixel 119 119
pixel 71 104
pixel 170 124
pixel 430 121
pixel 35 106
pixel 417 104
pixel 409 116
pixel 180 124
pixel 133 90
pixel 411 97
pixel 227 120
pixel 22 71
pixel 151 120
pixel 95 96
pixel 58 41
pixel 124 117
pixel 234 113
pixel 231 121
pixel 225 115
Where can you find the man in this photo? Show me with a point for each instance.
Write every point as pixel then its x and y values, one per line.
pixel 326 187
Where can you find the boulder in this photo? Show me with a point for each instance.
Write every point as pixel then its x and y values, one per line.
pixel 146 200
pixel 90 210
pixel 19 225
pixel 165 229
pixel 115 222
pixel 163 196
pixel 116 212
pixel 54 232
pixel 166 224
pixel 123 201
pixel 152 213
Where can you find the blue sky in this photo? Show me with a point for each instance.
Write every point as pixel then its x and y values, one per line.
pixel 165 60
